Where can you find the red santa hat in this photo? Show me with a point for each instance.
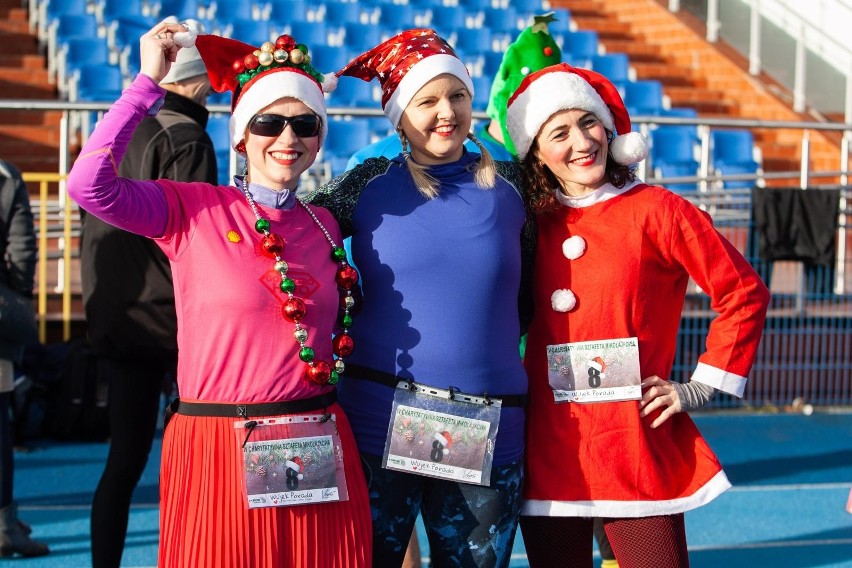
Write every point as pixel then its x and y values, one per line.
pixel 296 465
pixel 562 87
pixel 445 439
pixel 257 77
pixel 405 63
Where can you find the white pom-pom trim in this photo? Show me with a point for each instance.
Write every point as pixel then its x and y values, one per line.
pixel 630 148
pixel 563 300
pixel 329 82
pixel 574 247
pixel 187 38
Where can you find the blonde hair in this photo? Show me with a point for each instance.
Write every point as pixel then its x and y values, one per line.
pixel 484 174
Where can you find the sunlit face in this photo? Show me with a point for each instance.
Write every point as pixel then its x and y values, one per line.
pixel 437 120
pixel 277 162
pixel 573 145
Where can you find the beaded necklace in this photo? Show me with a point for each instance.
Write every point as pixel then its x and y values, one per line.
pixel 272 244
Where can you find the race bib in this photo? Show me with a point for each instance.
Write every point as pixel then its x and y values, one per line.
pixel 291 460
pixel 439 433
pixel 595 371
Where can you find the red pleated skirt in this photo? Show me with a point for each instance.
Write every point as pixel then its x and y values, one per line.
pixel 205 521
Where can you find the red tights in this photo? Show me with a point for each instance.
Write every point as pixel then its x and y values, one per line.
pixel 645 542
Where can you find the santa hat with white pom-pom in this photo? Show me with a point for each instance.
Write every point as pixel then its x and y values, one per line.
pixel 562 87
pixel 259 76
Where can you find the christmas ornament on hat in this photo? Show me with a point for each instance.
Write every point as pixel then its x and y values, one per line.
pixel 403 64
pixel 257 77
pixel 563 87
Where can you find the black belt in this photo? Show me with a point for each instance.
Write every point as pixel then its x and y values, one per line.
pixel 388 380
pixel 254 410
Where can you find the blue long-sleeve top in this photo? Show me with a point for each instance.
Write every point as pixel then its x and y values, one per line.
pixel 441 280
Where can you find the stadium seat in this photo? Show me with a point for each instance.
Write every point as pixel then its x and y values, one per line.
pixel 345 137
pixel 361 37
pixel 644 97
pixel 733 152
pixel 328 59
pixel 445 19
pixel 615 67
pixel 218 130
pixel 252 32
pixel 503 20
pixel 473 41
pixel 338 13
pixel 285 10
pixel 581 45
pixel 95 82
pixel 77 51
pixel 64 26
pixel 223 12
pixel 354 93
pixel 482 92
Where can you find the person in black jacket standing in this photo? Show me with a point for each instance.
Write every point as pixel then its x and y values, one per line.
pixel 129 298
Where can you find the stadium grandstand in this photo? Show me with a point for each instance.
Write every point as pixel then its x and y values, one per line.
pixel 739 100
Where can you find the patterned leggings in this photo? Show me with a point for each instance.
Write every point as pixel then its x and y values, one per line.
pixel 467 525
pixel 645 542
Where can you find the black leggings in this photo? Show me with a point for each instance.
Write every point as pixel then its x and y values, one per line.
pixel 7 463
pixel 134 405
pixel 645 542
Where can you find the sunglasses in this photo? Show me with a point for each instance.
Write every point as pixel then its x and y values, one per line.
pixel 270 125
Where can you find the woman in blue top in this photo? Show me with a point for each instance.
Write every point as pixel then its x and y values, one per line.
pixel 437 233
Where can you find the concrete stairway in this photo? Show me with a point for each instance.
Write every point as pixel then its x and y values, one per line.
pixel 29 139
pixel 712 78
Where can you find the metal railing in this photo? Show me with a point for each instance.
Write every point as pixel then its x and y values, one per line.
pixel 807 347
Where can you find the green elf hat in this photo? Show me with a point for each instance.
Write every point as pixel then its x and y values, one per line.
pixel 534 49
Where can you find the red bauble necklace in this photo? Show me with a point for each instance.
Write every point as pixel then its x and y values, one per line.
pixel 316 370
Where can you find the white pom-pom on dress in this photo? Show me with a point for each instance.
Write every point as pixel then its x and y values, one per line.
pixel 574 247
pixel 563 300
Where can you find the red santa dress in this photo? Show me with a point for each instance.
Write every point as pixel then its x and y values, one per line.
pixel 642 244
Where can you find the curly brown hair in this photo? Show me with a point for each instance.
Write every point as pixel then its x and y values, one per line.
pixel 541 182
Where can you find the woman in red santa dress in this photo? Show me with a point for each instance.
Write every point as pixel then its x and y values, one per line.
pixel 608 434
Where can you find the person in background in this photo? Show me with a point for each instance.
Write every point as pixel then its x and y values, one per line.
pixel 533 49
pixel 129 298
pixel 17 273
pixel 608 435
pixel 438 234
pixel 259 465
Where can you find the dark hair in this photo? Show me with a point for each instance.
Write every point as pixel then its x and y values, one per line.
pixel 541 182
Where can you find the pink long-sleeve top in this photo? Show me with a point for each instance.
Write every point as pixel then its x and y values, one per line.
pixel 234 343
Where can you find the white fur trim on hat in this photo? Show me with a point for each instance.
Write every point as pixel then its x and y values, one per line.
pixel 573 247
pixel 630 148
pixel 546 96
pixel 420 74
pixel 268 88
pixel 563 300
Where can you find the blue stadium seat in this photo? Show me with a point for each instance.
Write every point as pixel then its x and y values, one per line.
pixel 581 45
pixel 398 17
pixel 77 51
pixel 284 10
pixel 732 152
pixel 674 145
pixel 501 20
pixel 49 10
pixel 644 97
pixel 615 67
pixel 328 59
pixel 345 137
pixel 185 9
pixel 447 18
pixel 353 92
pixel 361 37
pixel 225 11
pixel 108 10
pixel 338 13
pixel 217 128
pixel 482 92
pixel 95 82
pixel 65 26
pixel 252 32
pixel 666 170
pixel 474 40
